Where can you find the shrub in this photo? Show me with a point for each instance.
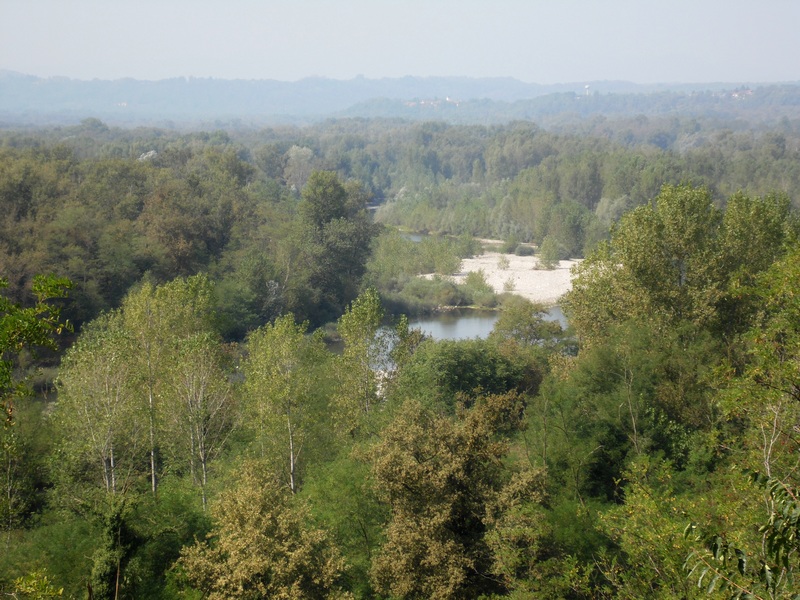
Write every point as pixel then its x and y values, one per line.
pixel 549 253
pixel 510 245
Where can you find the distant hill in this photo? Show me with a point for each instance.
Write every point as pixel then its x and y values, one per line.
pixel 25 99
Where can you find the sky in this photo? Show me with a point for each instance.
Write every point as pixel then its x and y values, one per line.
pixel 536 41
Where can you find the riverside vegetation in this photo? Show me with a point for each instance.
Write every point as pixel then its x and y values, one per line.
pixel 195 437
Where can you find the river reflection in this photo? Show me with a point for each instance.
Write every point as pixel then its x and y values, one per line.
pixel 468 324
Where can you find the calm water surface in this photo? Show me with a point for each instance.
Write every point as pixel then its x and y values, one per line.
pixel 468 324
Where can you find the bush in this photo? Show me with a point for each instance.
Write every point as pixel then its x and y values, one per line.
pixel 430 293
pixel 475 282
pixel 478 291
pixel 484 299
pixel 549 253
pixel 510 245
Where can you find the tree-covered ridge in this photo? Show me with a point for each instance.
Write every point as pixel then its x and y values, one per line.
pixel 26 99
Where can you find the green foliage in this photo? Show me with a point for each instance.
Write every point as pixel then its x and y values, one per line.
pixel 328 248
pixel 116 544
pixel 676 261
pixel 774 345
pixel 101 422
pixel 324 199
pixel 771 573
pixel 640 393
pixel 344 501
pixel 684 377
pixel 36 586
pixel 549 254
pixel 262 545
pixel 61 544
pixel 439 476
pixel 479 292
pixel 396 263
pixel 648 532
pixel 510 245
pixel 77 201
pixel 523 322
pixel 362 366
pixel 248 295
pixel 439 373
pixel 281 396
pixel 26 329
pixel 156 318
pixel 198 407
pixel 144 384
pixel 421 295
pixel 758 558
pixel 519 534
pixel 164 526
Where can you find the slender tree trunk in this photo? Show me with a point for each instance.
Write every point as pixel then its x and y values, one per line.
pixel 9 495
pixel 544 434
pixel 106 474
pixel 629 393
pixel 151 405
pixel 292 484
pixel 148 347
pixel 204 467
pixel 113 471
pixel 192 454
pixel 153 482
pixel 202 455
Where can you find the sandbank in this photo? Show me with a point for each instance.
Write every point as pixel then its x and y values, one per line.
pixel 537 285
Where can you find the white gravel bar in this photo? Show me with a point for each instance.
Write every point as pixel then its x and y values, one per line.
pixel 537 285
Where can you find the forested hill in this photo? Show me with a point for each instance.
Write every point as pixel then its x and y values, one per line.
pixel 27 99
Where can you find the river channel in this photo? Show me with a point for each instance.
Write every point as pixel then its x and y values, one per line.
pixel 468 324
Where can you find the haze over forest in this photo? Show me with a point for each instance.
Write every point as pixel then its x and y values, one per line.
pixel 193 63
pixel 192 102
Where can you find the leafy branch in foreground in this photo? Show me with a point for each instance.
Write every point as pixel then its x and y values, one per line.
pixel 32 327
pixel 723 566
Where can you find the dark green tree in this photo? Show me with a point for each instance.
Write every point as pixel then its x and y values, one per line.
pixel 328 248
pixel 440 476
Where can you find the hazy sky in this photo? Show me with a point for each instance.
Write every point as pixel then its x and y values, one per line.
pixel 543 41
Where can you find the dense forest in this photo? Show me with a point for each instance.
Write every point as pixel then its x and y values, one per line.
pixel 211 389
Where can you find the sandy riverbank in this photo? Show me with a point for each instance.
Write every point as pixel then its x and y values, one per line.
pixel 537 285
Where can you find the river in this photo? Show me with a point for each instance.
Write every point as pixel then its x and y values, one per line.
pixel 468 324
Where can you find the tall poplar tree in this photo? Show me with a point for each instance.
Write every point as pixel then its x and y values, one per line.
pixel 100 423
pixel 199 412
pixel 282 399
pixel 363 364
pixel 157 317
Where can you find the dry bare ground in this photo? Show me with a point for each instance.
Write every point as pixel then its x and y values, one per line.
pixel 520 274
